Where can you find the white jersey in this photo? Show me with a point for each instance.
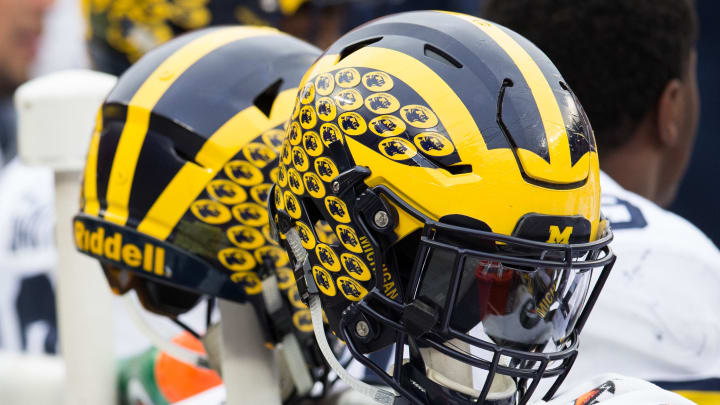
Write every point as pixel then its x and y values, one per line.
pixel 658 316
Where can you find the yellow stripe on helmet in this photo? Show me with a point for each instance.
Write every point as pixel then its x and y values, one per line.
pixel 92 205
pixel 142 103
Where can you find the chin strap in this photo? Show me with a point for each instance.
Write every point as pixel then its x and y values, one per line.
pixel 163 344
pixel 378 395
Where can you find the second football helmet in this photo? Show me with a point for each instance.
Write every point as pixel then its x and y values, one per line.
pixel 460 175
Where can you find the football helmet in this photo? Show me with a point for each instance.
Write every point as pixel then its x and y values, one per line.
pixel 178 171
pixel 460 175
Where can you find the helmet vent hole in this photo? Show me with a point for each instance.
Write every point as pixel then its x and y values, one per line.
pixel 564 86
pixel 439 55
pixel 264 101
pixel 356 46
pixel 459 169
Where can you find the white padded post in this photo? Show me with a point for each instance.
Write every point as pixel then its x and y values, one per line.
pixel 56 116
pixel 247 365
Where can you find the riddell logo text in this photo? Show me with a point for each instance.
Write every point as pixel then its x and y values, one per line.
pixel 150 258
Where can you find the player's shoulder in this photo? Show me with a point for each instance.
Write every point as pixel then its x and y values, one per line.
pixel 615 389
pixel 633 217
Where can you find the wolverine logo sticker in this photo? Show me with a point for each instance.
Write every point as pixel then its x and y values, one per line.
pixel 295 182
pixel 419 116
pixel 210 211
pixel 299 159
pixel 327 257
pixel 355 267
pixel 311 142
pixel 279 201
pixel 330 133
pixel 243 173
pixel 348 238
pixel 253 286
pixel 275 254
pixel 286 278
pixel 260 193
pixel 294 133
pixel 324 281
pixel 349 99
pixel 273 138
pixel 308 94
pixel 226 192
pixel 306 236
pixel 236 259
pixel 292 206
pixel 303 321
pixel 314 185
pixel 387 125
pixel 259 154
pixel 250 214
pixel 282 176
pixel 324 84
pixel 382 103
pixel 352 123
pixel 433 144
pixel 245 237
pixel 397 148
pixel 351 289
pixel 377 81
pixel 307 117
pixel 326 169
pixel 326 109
pixel 337 209
pixel 274 175
pixel 348 77
pixel 286 156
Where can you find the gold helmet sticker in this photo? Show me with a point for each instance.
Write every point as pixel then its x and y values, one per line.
pixel 324 281
pixel 397 148
pixel 326 169
pixel 296 109
pixel 348 77
pixel 419 116
pixel 306 236
pixel 311 142
pixel 327 257
pixel 292 206
pixel 330 133
pixel 355 267
pixel 260 193
pixel 279 201
pixel 326 109
pixel 286 155
pixel 377 81
pixel 293 134
pixel 236 259
pixel 348 238
pixel 349 99
pixel 352 123
pixel 382 103
pixel 276 254
pixel 299 159
pixel 337 209
pixel 433 144
pixel 314 185
pixel 274 175
pixel 303 321
pixel 282 176
pixel 286 278
pixel 266 233
pixel 243 173
pixel 250 214
pixel 307 95
pixel 226 192
pixel 273 138
pixel 325 84
pixel 295 182
pixel 387 125
pixel 259 154
pixel 308 119
pixel 211 212
pixel 351 289
pixel 253 286
pixel 245 237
